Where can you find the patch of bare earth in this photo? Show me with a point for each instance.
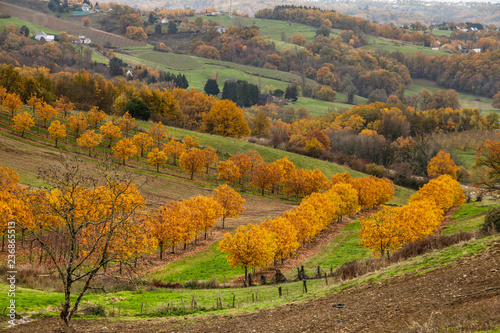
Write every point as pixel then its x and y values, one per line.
pixel 408 303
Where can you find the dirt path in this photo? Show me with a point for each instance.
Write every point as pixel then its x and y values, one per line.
pixel 408 303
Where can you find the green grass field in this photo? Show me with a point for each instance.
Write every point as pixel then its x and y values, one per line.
pixel 466 100
pixel 389 45
pixel 34 29
pixel 442 33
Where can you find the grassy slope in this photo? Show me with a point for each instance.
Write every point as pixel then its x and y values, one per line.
pixel 466 100
pixel 389 45
pixel 34 29
pixel 266 296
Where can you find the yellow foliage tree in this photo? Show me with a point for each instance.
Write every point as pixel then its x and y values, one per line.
pixel 78 123
pixel 381 232
pixel 126 123
pixel 488 164
pixel 95 116
pixel 285 235
pixel 64 105
pixel 169 225
pixel 203 213
pixel 174 149
pixel 142 141
pixel 192 161
pixel 157 158
pixel 226 119
pixel 35 102
pixel 251 247
pixel 348 203
pixel 231 202
pixel 210 157
pixel 264 176
pixel 244 164
pixel 125 149
pixel 158 132
pixel 442 164
pixel 228 171
pixel 57 131
pixel 110 132
pixel 46 112
pixel 191 141
pixel 89 140
pixel 445 191
pixel 23 122
pixel 12 102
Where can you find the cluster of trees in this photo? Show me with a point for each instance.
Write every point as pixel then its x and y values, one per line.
pixel 241 92
pixel 255 246
pixel 180 221
pixel 390 228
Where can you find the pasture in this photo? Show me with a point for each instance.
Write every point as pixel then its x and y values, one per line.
pixel 34 28
pixel 389 45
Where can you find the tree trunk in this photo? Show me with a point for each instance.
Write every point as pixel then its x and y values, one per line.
pixel 192 174
pixel 262 192
pixel 158 168
pixel 223 218
pixel 246 275
pixel 161 250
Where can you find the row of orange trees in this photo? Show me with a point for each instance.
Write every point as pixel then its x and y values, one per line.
pixel 180 221
pixel 392 227
pixel 255 246
pixel 243 168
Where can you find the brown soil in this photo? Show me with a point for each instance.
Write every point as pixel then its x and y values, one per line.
pixel 409 303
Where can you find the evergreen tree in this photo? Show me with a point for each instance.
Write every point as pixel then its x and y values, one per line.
pixel 25 31
pixel 292 93
pixel 138 109
pixel 158 29
pixel 172 27
pixel 211 87
pixel 115 66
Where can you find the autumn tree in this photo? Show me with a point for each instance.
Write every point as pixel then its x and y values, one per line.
pixel 126 123
pixel 298 39
pixel 295 182
pixel 204 212
pixel 244 163
pixel 95 116
pixel 35 102
pixel 251 247
pixel 445 191
pixel 192 161
pixel 174 149
pixel 157 158
pixel 136 33
pixel 64 105
pixel 226 119
pixel 348 203
pixel 86 22
pixel 285 235
pixel 210 157
pixel 488 164
pixel 381 232
pixel 158 132
pixel 110 132
pixel 442 164
pixel 46 112
pixel 191 141
pixel 142 141
pixel 231 202
pixel 97 222
pixel 168 224
pixel 264 176
pixel 89 140
pixel 23 122
pixel 125 149
pixel 228 171
pixel 57 131
pixel 261 125
pixel 13 103
pixel 78 123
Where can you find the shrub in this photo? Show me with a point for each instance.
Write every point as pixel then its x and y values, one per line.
pixel 492 221
pixel 138 109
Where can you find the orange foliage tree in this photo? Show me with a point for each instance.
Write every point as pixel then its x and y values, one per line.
pixel 64 105
pixel 210 157
pixel 95 116
pixel 203 212
pixel 46 112
pixel 77 123
pixel 142 141
pixel 251 247
pixel 57 131
pixel 226 119
pixel 126 123
pixel 174 149
pixel 125 149
pixel 89 140
pixel 110 132
pixel 13 103
pixel 157 158
pixel 22 122
pixel 158 132
pixel 488 164
pixel 231 202
pixel 192 161
pixel 442 164
pixel 285 235
pixel 228 171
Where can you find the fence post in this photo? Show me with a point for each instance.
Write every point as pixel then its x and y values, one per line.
pixel 119 309
pixel 220 301
pixel 234 297
pixel 279 291
pixel 142 306
pixel 253 298
pixel 183 305
pixel 326 279
pixel 305 286
pixel 113 310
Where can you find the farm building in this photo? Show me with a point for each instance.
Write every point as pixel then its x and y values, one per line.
pixel 221 30
pixel 216 13
pixel 85 7
pixel 265 99
pixel 164 21
pixel 42 35
pixel 84 40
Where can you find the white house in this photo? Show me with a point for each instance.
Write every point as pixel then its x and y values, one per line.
pixel 84 40
pixel 477 50
pixel 85 7
pixel 42 35
pixel 164 20
pixel 221 30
